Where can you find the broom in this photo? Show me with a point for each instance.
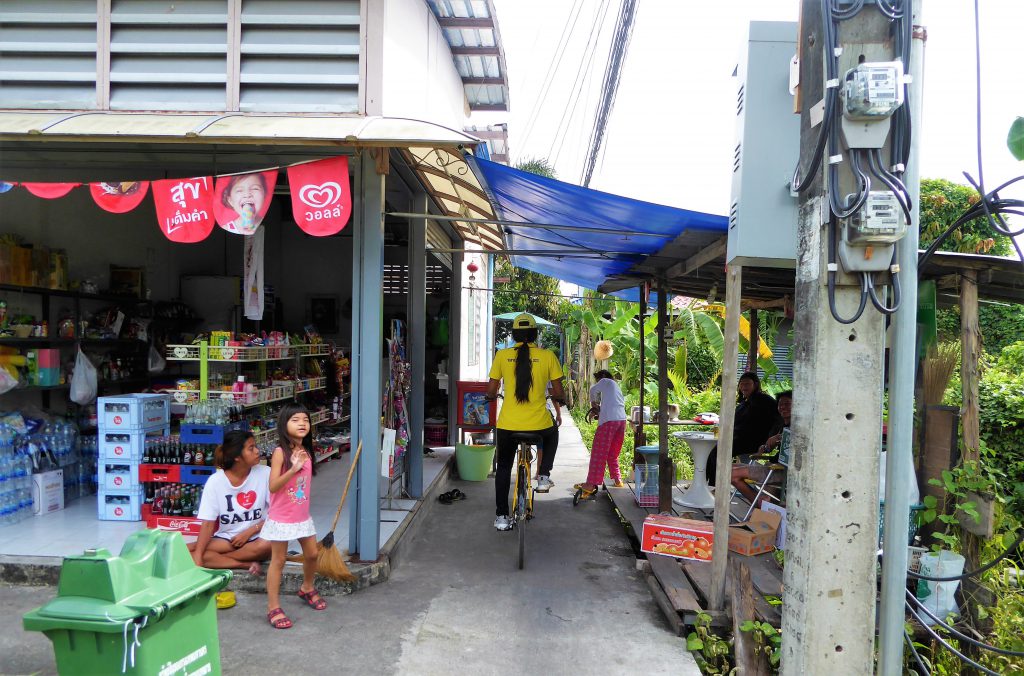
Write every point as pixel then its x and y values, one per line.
pixel 329 561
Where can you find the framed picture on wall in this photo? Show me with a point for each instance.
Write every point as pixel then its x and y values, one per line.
pixel 323 313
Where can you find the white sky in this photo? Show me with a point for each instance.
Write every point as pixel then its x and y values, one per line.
pixel 671 134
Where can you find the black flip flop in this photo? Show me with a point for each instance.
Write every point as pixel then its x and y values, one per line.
pixel 445 498
pixel 456 494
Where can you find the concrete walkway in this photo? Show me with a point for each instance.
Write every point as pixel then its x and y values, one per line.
pixel 456 603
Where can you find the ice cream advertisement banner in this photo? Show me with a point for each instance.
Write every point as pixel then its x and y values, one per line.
pixel 184 208
pixel 321 199
pixel 50 191
pixel 241 201
pixel 120 197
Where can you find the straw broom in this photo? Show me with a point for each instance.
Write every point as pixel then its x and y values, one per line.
pixel 329 561
pixel 937 370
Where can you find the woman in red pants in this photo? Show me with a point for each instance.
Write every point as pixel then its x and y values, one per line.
pixel 605 398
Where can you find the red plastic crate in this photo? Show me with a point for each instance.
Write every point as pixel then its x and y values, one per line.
pixel 160 473
pixel 186 525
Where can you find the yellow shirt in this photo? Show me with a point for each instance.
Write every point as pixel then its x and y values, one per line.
pixel 533 415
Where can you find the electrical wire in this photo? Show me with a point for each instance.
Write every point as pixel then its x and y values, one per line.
pixel 896 291
pixel 832 280
pixel 960 636
pixel 913 651
pixel 946 645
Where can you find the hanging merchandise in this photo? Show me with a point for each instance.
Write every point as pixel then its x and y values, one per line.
pixel 50 191
pixel 253 277
pixel 120 197
pixel 241 201
pixel 184 208
pixel 84 380
pixel 321 198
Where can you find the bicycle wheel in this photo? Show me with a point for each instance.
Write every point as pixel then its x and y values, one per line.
pixel 522 485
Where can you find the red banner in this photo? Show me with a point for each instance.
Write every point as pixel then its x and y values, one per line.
pixel 241 201
pixel 184 208
pixel 321 198
pixel 119 198
pixel 50 191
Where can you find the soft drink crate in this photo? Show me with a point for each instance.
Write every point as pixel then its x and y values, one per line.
pixel 133 411
pixel 163 474
pixel 186 525
pixel 119 505
pixel 119 476
pixel 196 474
pixel 128 445
pixel 209 434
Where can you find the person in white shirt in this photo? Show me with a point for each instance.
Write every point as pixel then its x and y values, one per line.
pixel 233 508
pixel 607 402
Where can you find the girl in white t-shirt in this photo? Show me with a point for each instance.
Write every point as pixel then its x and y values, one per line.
pixel 233 508
pixel 607 401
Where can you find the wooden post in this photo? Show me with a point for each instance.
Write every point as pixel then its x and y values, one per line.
pixel 666 468
pixel 755 341
pixel 970 356
pixel 639 438
pixel 726 418
pixel 749 661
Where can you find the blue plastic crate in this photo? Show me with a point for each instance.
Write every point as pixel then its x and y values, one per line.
pixel 119 505
pixel 133 412
pixel 196 474
pixel 208 434
pixel 646 485
pixel 116 475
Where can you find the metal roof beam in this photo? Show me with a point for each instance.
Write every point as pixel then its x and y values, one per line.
pixel 484 81
pixel 549 226
pixel 476 51
pixel 458 22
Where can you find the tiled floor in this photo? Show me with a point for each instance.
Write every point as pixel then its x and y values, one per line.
pixel 76 528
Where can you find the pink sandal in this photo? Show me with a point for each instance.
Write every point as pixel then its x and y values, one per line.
pixel 282 621
pixel 315 601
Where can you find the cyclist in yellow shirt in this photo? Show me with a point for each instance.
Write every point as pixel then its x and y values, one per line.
pixel 526 371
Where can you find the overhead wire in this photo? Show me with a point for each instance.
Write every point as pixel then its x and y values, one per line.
pixel 563 40
pixel 610 85
pixel 945 644
pixel 582 74
pixel 959 635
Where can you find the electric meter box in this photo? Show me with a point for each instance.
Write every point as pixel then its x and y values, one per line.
pixel 763 211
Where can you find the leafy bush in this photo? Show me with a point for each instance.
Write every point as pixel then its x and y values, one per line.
pixel 1001 395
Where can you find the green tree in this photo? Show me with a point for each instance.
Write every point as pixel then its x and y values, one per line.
pixel 537 165
pixel 942 202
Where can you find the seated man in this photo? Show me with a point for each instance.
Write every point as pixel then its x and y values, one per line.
pixel 754 470
pixel 233 507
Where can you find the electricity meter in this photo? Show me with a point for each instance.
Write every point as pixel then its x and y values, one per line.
pixel 870 234
pixel 879 221
pixel 873 91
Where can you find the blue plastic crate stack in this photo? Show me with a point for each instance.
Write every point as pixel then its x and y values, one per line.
pixel 126 423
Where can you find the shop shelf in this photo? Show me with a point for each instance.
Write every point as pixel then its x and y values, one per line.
pixel 228 353
pixel 324 415
pixel 64 293
pixel 262 396
pixel 320 457
pixel 310 384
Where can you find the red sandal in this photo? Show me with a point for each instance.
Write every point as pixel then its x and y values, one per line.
pixel 282 621
pixel 314 599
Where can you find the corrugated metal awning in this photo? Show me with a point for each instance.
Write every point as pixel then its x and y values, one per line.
pixel 229 128
pixel 456 190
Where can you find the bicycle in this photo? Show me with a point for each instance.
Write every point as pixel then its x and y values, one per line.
pixel 522 497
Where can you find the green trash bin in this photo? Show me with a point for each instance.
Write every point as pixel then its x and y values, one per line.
pixel 150 610
pixel 473 462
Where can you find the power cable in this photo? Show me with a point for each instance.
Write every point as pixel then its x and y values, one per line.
pixel 610 85
pixel 960 636
pixel 563 40
pixel 963 658
pixel 582 73
pixel 913 651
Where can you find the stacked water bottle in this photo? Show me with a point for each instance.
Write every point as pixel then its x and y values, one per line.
pixel 15 478
pixel 127 425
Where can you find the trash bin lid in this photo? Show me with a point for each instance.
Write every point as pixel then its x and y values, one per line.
pixel 100 592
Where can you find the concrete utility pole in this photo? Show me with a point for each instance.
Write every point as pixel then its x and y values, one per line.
pixel 828 624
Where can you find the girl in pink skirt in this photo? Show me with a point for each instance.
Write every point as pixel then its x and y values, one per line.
pixel 291 478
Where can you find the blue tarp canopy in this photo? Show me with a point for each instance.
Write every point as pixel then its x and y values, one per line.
pixel 590 255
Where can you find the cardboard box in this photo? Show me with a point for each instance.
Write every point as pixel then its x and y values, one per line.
pixel 674 536
pixel 48 492
pixel 59 269
pixel 755 536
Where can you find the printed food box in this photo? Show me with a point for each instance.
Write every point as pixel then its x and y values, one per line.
pixel 674 536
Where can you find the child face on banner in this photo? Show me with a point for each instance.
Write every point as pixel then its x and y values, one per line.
pixel 246 195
